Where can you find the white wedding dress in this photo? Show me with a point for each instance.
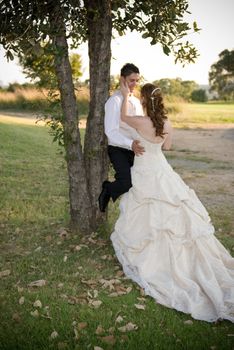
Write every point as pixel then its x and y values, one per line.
pixel 165 242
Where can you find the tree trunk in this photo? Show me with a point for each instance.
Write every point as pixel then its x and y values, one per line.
pixel 95 151
pixel 80 204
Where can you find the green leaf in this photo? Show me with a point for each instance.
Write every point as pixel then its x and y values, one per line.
pixel 195 27
pixel 9 55
pixel 145 35
pixel 166 50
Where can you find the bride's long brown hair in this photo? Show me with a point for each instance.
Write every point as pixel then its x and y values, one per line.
pixel 152 101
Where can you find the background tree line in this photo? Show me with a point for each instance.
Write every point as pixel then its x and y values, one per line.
pixel 40 69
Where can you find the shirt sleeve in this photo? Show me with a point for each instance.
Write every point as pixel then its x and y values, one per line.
pixel 112 124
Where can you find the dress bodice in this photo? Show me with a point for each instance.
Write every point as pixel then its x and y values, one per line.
pixel 153 156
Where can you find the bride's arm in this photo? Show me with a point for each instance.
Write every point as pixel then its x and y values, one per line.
pixel 168 141
pixel 133 121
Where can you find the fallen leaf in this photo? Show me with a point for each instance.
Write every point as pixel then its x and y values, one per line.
pixel 20 289
pixel 109 283
pixel 139 306
pixel 76 333
pixel 111 330
pixel 47 316
pixel 95 293
pixel 38 249
pixel 38 283
pixel 16 317
pixel 110 257
pixel 109 339
pixel 34 313
pixel 84 245
pixel 5 273
pixel 99 330
pixel 72 300
pixel 119 273
pixel 89 294
pixel 82 325
pixel 75 300
pixel 141 299
pixel 21 300
pixel 65 258
pixel 128 327
pixel 77 248
pixel 60 285
pixel 122 290
pixel 114 294
pixel 90 283
pixel 38 304
pixel 128 290
pixel 96 303
pixel 119 319
pixel 62 232
pixel 54 335
pixel 188 322
pixel 97 348
pixel 230 335
pixel 94 234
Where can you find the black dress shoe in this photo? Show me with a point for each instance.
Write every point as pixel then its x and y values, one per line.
pixel 104 197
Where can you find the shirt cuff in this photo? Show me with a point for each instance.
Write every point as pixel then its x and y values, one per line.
pixel 130 144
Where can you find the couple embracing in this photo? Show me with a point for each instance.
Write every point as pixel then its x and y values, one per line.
pixel 163 237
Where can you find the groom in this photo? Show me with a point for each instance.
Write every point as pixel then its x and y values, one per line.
pixel 122 139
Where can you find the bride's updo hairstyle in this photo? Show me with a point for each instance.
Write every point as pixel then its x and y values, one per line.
pixel 152 102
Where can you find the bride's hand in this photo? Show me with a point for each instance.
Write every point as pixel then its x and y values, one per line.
pixel 124 87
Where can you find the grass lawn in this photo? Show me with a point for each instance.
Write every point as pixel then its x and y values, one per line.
pixel 196 113
pixel 83 300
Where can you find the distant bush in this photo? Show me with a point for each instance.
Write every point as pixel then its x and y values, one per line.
pixel 23 99
pixel 177 87
pixel 33 99
pixel 173 104
pixel 199 95
pixel 13 87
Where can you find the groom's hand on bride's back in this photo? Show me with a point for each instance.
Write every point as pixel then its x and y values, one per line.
pixel 137 148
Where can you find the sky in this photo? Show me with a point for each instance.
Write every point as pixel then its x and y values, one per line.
pixel 214 17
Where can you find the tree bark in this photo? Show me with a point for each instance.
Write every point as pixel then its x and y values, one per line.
pixel 80 204
pixel 95 149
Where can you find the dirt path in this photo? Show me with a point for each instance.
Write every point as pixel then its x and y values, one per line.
pixel 215 140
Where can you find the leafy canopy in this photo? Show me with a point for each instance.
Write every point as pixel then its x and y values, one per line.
pixel 177 87
pixel 221 75
pixel 25 24
pixel 40 67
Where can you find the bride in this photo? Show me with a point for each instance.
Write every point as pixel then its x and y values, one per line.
pixel 163 237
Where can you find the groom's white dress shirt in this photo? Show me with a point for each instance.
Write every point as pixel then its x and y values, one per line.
pixel 119 133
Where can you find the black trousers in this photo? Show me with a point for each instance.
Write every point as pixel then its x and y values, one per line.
pixel 122 161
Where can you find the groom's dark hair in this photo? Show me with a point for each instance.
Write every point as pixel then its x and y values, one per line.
pixel 128 69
